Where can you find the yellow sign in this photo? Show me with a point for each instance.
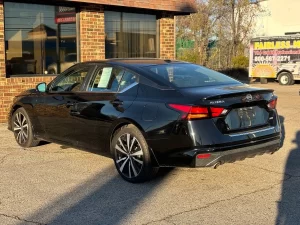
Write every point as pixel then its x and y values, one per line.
pixel 276 44
pixel 263 71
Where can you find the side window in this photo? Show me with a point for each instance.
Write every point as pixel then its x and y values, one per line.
pixel 127 80
pixel 106 79
pixel 71 81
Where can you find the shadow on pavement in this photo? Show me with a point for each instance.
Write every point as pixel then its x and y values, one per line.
pixel 100 200
pixel 289 205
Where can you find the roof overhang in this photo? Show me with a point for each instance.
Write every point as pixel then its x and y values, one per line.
pixel 178 7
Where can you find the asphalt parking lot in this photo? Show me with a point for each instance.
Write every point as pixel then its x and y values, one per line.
pixel 53 184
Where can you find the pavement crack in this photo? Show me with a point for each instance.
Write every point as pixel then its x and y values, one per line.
pixel 22 220
pixel 167 218
pixel 59 152
pixel 2 160
pixel 270 171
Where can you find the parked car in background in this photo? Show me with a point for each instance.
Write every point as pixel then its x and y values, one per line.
pixel 69 61
pixel 149 113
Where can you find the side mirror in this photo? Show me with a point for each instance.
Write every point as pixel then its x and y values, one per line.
pixel 42 87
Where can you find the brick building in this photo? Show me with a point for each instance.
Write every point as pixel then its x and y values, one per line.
pixel 43 38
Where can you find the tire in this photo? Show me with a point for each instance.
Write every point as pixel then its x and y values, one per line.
pixel 286 78
pixel 133 160
pixel 22 128
pixel 263 80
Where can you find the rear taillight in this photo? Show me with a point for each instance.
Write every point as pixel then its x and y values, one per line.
pixel 216 112
pixel 272 104
pixel 198 112
pixel 204 156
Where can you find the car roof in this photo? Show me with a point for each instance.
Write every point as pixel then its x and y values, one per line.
pixel 136 65
pixel 136 62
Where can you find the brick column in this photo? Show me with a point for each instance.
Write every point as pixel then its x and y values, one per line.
pixel 167 37
pixel 2 66
pixel 92 33
pixel 2 41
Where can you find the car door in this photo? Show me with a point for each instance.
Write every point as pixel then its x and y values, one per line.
pixel 110 92
pixel 57 108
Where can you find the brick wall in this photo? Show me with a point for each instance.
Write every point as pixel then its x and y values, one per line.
pixel 92 33
pixel 167 37
pixel 2 42
pixel 10 87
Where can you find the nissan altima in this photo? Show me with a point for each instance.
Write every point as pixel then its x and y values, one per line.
pixel 149 113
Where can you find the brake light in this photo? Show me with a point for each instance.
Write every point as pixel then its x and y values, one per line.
pixel 216 112
pixel 204 156
pixel 198 112
pixel 272 104
pixel 182 108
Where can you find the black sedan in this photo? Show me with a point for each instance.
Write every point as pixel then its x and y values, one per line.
pixel 149 113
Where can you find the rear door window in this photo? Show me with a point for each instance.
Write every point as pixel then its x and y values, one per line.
pixel 106 79
pixel 190 75
pixel 127 81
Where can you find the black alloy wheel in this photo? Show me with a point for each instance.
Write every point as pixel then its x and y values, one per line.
pixel 131 155
pixel 22 129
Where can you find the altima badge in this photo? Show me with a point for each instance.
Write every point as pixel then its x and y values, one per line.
pixel 217 102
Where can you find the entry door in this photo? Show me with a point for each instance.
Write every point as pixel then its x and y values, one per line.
pixel 110 93
pixel 59 102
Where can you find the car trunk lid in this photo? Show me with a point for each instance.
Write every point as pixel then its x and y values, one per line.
pixel 246 107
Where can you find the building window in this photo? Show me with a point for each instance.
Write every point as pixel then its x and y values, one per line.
pixel 130 35
pixel 39 39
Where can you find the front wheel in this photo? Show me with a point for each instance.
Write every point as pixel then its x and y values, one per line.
pixel 22 129
pixel 286 79
pixel 131 155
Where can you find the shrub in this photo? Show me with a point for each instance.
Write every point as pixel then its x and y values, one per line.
pixel 237 73
pixel 188 55
pixel 240 62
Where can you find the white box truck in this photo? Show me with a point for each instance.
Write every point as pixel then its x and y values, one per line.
pixel 275 58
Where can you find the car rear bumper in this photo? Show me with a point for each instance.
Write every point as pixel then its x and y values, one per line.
pixel 217 155
pixel 229 156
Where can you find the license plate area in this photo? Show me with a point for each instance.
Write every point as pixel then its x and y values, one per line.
pixel 246 117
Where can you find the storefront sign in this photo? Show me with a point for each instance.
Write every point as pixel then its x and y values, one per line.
pixel 65 15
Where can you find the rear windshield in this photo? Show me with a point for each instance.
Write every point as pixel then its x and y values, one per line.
pixel 190 75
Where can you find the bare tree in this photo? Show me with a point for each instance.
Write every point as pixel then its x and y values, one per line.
pixel 229 22
pixel 199 27
pixel 240 16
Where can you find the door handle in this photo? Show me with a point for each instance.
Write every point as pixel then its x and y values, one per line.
pixel 117 102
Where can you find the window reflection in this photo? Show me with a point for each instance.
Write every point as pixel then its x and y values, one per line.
pixel 31 35
pixel 130 35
